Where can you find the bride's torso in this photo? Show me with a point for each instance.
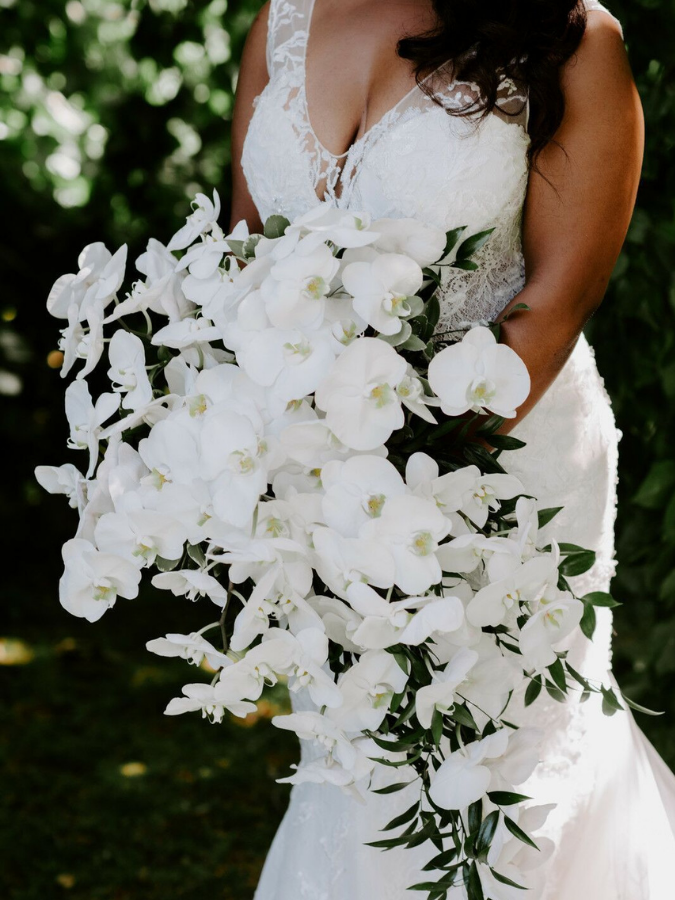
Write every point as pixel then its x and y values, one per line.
pixel 418 161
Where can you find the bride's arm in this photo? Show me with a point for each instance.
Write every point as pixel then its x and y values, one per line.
pixel 253 77
pixel 575 225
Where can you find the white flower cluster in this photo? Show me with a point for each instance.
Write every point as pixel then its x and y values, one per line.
pixel 264 457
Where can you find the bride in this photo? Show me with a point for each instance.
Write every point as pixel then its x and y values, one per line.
pixel 522 115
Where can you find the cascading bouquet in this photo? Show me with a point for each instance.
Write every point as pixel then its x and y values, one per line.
pixel 299 445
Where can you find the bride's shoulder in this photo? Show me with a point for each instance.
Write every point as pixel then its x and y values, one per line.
pixel 600 93
pixel 600 64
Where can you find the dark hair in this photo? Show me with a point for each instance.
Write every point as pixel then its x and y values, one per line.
pixel 526 40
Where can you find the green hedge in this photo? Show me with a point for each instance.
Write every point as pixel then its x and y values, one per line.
pixel 113 113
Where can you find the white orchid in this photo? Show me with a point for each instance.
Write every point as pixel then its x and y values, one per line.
pixel 98 280
pixel 382 289
pixel 359 395
pixel 411 528
pixel 206 698
pixel 421 242
pixel 548 626
pixel 340 561
pixel 410 391
pixel 367 689
pixel 127 370
pixel 92 581
pixel 296 288
pixel 66 479
pixel 410 621
pixel 79 343
pixel 192 647
pixel 140 535
pixel 357 490
pixel 501 601
pixel 233 458
pixel 441 693
pixel 464 776
pixel 86 419
pixel 188 332
pixel 324 222
pixel 191 583
pixel 291 362
pixel 342 762
pixel 202 220
pixel 479 374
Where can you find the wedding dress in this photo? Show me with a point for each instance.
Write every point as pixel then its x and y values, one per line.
pixel 614 819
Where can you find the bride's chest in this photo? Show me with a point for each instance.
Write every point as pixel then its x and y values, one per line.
pixel 418 161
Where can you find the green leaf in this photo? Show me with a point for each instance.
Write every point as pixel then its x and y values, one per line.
pixel 502 879
pixel 600 598
pixel 506 798
pixel 640 709
pixel 395 340
pixel 237 247
pixel 545 515
pixel 249 245
pixel 558 675
pixel 505 442
pixel 166 565
pixel 518 832
pixel 466 264
pixel 577 677
pixel 393 788
pixel 402 744
pixel 487 832
pixel 404 818
pixel 588 621
pixel 414 344
pixel 491 425
pixel 416 305
pixel 443 859
pixel 462 715
pixel 398 763
pixel 475 815
pixel 532 692
pixel 576 561
pixel 518 307
pixel 474 886
pixel 388 843
pixel 275 226
pixel 432 311
pixel 554 691
pixel 451 238
pixel 610 704
pixel 473 243
pixel 196 554
pixel 437 726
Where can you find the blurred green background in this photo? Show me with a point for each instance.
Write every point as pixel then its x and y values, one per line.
pixel 112 115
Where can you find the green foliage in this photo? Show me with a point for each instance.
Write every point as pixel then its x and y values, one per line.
pixel 634 338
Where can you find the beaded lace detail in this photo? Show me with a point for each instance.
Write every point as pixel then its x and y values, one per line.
pixel 418 161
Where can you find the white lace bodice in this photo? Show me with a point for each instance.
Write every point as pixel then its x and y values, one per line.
pixel 416 161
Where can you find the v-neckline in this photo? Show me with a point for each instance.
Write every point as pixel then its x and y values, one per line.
pixel 366 134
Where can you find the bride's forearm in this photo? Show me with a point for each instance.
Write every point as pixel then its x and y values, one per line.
pixel 544 336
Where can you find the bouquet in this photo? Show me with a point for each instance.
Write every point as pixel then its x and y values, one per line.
pixel 286 435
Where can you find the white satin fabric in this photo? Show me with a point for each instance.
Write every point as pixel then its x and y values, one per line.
pixel 614 821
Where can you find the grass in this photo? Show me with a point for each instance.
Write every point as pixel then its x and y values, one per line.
pixel 105 798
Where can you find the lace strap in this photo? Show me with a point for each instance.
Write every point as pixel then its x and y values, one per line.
pixel 287 28
pixel 595 5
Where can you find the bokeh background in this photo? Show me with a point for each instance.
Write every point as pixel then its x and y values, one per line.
pixel 112 115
